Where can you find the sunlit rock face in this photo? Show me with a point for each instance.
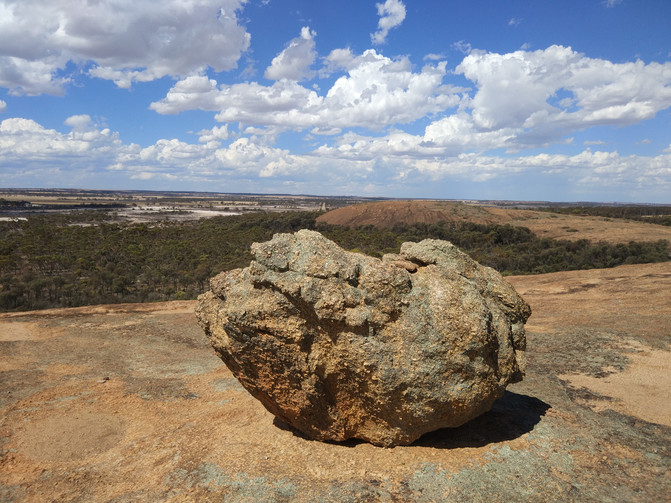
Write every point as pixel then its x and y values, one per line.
pixel 341 345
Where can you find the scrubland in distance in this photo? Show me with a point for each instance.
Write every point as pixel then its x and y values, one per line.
pixel 64 261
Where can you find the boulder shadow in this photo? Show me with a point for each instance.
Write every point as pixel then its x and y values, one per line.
pixel 511 416
pixel 283 425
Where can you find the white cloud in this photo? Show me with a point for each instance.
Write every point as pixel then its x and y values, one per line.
pixel 376 92
pixel 124 78
pixel 516 90
pixel 3 106
pixel 29 149
pixel 78 122
pixel 18 125
pixel 216 134
pixel 193 92
pixel 458 133
pixel 338 59
pixel 645 176
pixel 392 14
pixel 294 62
pixel 285 102
pixel 388 165
pixel 24 76
pixel 611 3
pixel 211 164
pixel 447 137
pixel 518 102
pixel 523 99
pixel 33 141
pixel 39 156
pixel 514 86
pixel 247 156
pixel 172 152
pixel 127 40
pixel 463 47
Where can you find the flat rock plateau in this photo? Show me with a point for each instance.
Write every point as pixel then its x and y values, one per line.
pixel 129 403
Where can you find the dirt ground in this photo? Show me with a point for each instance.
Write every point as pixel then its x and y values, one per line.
pixel 128 403
pixel 543 224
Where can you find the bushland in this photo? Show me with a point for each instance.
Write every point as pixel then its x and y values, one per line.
pixel 78 259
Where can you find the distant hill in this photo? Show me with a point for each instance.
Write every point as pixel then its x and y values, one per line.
pixel 387 214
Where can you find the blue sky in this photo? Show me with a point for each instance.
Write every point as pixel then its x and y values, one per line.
pixel 470 99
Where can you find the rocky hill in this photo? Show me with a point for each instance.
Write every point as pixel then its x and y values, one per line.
pixel 129 403
pixel 390 213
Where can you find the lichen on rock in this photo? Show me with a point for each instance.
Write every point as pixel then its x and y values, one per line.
pixel 341 345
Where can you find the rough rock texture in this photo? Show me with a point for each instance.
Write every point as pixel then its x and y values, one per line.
pixel 341 345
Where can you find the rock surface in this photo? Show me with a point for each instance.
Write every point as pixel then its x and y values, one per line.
pixel 187 431
pixel 341 345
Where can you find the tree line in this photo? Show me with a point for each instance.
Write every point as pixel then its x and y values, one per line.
pixel 654 214
pixel 64 260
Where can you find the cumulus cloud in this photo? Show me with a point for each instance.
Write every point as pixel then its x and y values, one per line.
pixel 520 91
pixel 294 62
pixel 519 100
pixel 376 92
pixel 392 14
pixel 442 139
pixel 127 40
pixel 3 106
pixel 211 163
pixel 193 92
pixel 523 99
pixel 635 174
pixel 247 156
pixel 30 151
pixel 459 133
pixel 78 122
pixel 337 60
pixel 34 155
pixel 216 134
pixel 24 137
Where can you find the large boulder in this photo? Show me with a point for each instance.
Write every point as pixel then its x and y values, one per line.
pixel 341 345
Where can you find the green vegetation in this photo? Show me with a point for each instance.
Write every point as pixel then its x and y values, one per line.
pixel 508 249
pixel 63 260
pixel 13 205
pixel 645 213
